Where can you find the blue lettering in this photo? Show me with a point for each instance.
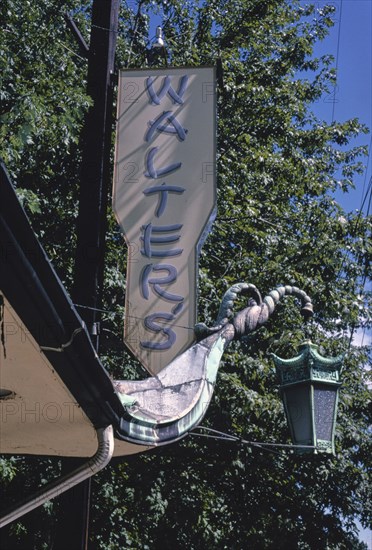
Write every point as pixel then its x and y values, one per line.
pixel 151 324
pixel 178 308
pixel 156 97
pixel 163 190
pixel 149 240
pixel 157 283
pixel 173 126
pixel 152 172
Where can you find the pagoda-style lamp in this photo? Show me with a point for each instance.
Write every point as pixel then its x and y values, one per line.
pixel 309 388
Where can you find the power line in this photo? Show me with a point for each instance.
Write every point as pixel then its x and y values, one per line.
pixel 266 446
pixel 128 316
pixel 366 174
pixel 337 60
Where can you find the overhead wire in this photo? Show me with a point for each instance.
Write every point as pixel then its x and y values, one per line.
pixel 128 316
pixel 337 60
pixel 366 175
pixel 266 446
pixel 71 51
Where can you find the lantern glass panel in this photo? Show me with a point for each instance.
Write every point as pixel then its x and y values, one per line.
pixel 324 405
pixel 299 414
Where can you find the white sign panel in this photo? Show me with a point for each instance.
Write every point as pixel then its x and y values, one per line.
pixel 164 198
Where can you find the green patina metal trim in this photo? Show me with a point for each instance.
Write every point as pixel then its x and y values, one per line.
pixel 126 400
pixel 309 351
pixel 214 359
pixel 309 365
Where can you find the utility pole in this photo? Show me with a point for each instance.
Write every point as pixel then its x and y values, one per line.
pixel 72 532
pixel 95 171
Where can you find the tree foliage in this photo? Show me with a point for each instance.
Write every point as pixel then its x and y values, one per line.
pixel 278 223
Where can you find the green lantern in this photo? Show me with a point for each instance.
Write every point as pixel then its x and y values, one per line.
pixel 309 388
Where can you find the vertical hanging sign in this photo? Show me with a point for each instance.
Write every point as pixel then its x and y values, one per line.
pixel 164 199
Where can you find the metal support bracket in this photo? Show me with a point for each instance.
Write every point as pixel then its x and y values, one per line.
pixel 83 47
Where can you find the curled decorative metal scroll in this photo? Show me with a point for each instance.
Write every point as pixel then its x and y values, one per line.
pixel 257 312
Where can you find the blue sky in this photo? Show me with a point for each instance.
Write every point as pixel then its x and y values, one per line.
pixel 350 42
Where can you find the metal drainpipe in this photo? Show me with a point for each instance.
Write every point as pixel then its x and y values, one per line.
pixel 96 463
